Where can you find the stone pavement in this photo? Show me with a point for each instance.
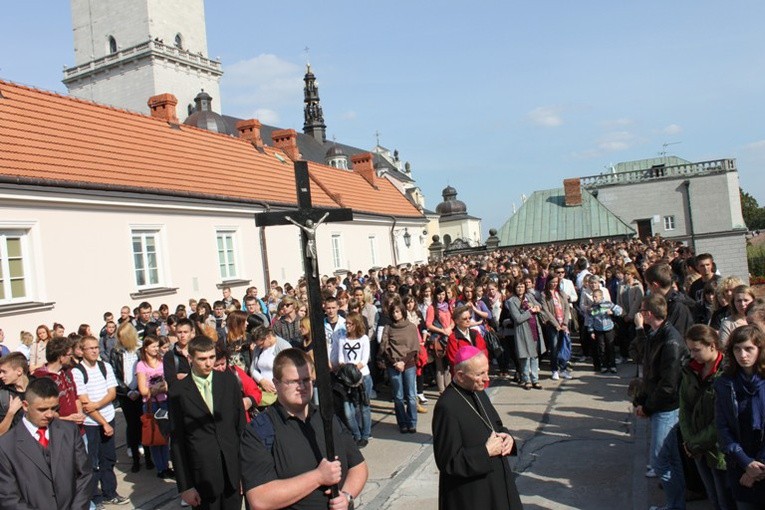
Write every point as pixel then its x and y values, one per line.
pixel 580 447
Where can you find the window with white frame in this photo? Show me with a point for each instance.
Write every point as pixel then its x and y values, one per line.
pixel 373 249
pixel 14 267
pixel 337 251
pixel 669 223
pixel 226 243
pixel 147 258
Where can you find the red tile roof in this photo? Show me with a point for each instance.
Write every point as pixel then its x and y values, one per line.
pixel 51 137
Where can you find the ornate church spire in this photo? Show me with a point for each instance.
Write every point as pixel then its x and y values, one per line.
pixel 314 117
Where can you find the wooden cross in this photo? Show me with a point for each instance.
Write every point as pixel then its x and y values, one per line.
pixel 308 218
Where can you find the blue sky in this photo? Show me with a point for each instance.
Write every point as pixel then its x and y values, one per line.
pixel 496 98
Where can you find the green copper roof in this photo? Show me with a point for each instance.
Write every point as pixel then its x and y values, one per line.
pixel 544 218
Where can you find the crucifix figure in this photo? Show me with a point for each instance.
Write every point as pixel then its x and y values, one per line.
pixel 310 244
pixel 308 218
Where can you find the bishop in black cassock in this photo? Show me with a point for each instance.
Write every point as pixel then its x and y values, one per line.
pixel 471 444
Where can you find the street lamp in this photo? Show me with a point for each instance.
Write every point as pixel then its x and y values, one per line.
pixel 407 238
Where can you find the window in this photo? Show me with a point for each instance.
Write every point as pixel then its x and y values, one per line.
pixel 112 45
pixel 669 223
pixel 227 254
pixel 337 251
pixel 179 41
pixel 146 258
pixel 14 267
pixel 373 249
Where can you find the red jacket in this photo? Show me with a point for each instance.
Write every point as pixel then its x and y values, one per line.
pixel 249 387
pixel 457 340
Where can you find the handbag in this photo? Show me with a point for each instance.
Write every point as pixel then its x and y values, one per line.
pixel 564 349
pixel 151 434
pixel 437 340
pixel 492 343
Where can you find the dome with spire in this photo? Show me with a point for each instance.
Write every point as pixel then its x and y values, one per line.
pixel 335 157
pixel 204 117
pixel 450 205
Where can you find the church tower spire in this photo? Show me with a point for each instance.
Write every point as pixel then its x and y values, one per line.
pixel 314 117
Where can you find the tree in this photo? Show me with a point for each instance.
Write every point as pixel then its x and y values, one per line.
pixel 754 215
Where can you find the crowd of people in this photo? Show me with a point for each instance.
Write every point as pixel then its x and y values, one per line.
pixel 693 332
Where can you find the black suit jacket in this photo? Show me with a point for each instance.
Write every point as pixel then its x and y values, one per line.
pixel 204 446
pixel 26 479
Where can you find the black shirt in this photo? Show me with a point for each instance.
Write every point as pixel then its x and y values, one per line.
pixel 173 363
pixel 298 448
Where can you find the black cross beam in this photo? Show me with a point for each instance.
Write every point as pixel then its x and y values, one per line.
pixel 308 218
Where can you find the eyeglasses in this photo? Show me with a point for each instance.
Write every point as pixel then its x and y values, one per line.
pixel 292 383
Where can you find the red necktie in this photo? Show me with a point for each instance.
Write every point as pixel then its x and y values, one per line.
pixel 41 437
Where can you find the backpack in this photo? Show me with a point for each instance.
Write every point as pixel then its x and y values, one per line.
pixel 84 372
pixel 264 428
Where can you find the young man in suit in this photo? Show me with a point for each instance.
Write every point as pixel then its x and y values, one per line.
pixel 207 419
pixel 29 452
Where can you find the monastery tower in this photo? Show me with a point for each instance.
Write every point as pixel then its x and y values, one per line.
pixel 129 50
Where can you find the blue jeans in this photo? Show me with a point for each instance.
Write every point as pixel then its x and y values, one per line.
pixel 716 485
pixel 552 340
pixel 352 414
pixel 661 424
pixel 530 369
pixel 404 386
pixel 669 467
pixel 160 455
pixel 102 456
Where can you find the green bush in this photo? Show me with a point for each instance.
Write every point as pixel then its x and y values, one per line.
pixel 756 257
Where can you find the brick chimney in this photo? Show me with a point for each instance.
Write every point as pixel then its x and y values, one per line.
pixel 163 107
pixel 286 140
pixel 250 130
pixel 362 165
pixel 573 190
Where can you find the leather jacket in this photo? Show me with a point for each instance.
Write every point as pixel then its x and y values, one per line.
pixel 662 370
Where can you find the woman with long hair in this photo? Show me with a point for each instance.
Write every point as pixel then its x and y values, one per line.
pixel 399 347
pixel 557 312
pixel 124 358
pixel 153 388
pixel 697 413
pixel 740 415
pixel 414 316
pixel 236 343
pixel 438 320
pixel 354 349
pixel 743 295
pixel 525 309
pixel 37 349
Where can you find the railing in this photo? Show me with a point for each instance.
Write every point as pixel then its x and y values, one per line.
pixel 156 47
pixel 659 172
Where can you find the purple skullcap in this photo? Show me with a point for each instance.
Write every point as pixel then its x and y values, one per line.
pixel 465 353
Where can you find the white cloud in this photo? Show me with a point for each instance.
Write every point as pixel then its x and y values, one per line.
pixel 546 116
pixel 617 123
pixel 264 84
pixel 587 154
pixel 672 129
pixel 266 116
pixel 616 141
pixel 349 115
pixel 755 146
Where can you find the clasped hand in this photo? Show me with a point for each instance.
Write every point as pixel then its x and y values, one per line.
pixel 499 444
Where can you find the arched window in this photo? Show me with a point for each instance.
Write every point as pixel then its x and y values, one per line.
pixel 179 41
pixel 112 45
